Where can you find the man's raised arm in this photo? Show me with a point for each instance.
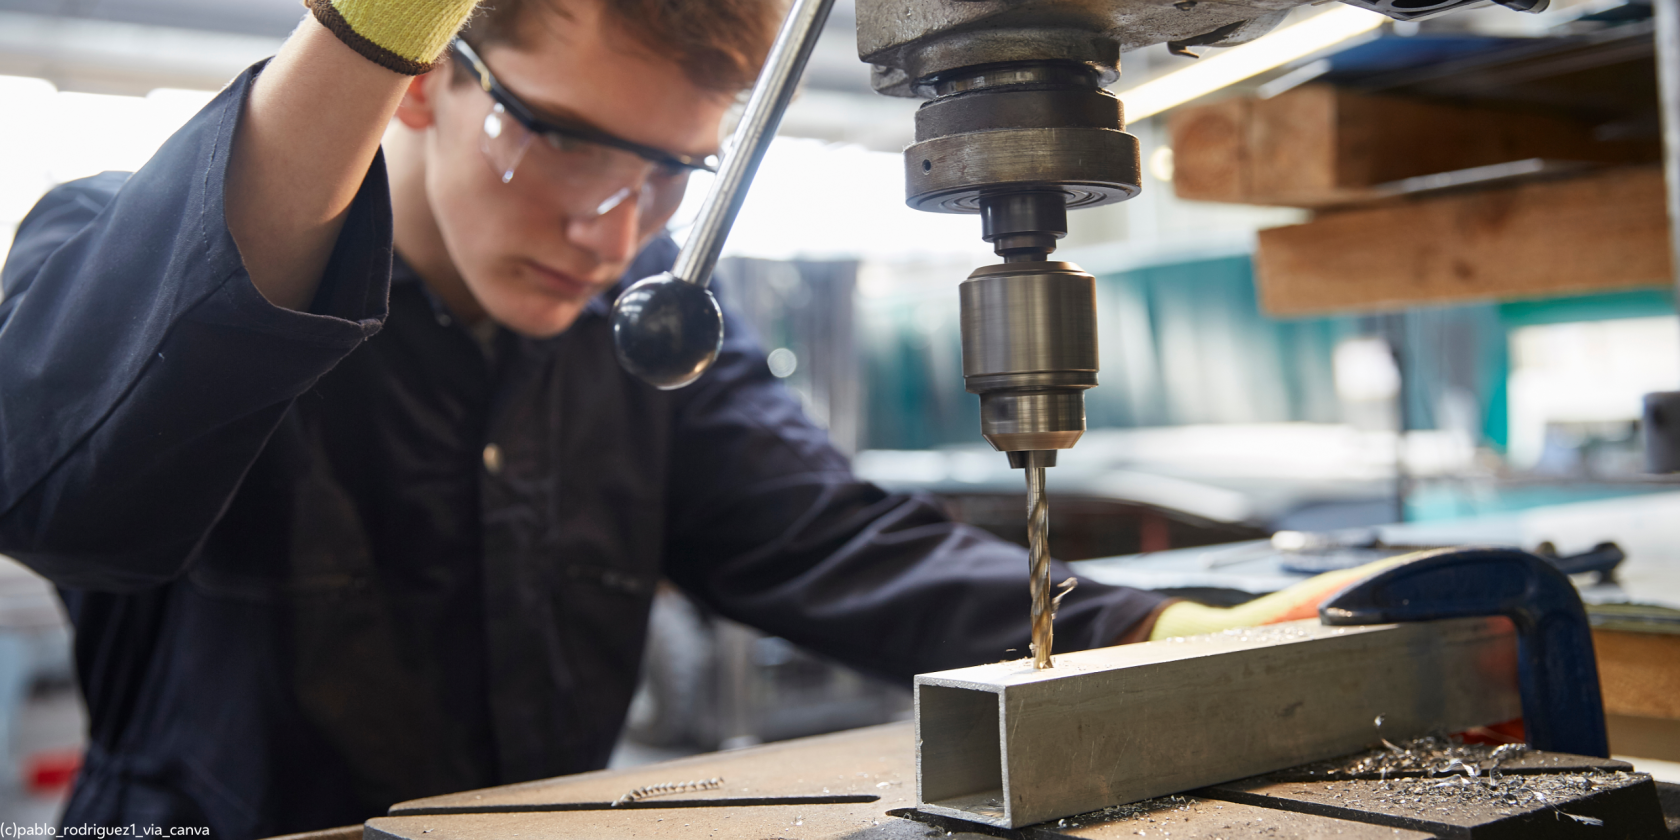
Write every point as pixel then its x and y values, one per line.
pixel 311 127
pixel 155 329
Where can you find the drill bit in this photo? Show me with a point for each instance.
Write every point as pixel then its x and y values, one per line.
pixel 1038 561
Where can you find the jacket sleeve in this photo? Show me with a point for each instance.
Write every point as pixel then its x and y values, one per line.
pixel 770 527
pixel 140 370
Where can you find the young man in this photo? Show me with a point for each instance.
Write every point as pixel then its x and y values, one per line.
pixel 340 527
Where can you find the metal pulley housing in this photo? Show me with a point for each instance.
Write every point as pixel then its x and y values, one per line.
pixel 1040 126
pixel 1029 347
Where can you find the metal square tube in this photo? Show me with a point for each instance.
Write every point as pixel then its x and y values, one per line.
pixel 1009 746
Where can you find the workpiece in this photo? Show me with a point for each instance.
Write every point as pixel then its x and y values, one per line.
pixel 1010 745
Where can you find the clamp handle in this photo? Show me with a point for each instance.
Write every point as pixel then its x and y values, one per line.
pixel 1558 673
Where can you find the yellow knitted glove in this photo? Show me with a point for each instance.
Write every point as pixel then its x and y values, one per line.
pixel 1296 602
pixel 408 36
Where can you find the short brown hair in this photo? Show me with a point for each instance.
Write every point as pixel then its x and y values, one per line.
pixel 720 44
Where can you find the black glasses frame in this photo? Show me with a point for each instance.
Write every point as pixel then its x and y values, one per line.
pixel 469 60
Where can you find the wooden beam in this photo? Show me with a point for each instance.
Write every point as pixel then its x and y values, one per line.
pixel 1607 230
pixel 1210 151
pixel 1320 146
pixel 1639 673
pixel 1008 745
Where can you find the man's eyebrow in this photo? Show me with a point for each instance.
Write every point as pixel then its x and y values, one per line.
pixel 562 116
pixel 567 118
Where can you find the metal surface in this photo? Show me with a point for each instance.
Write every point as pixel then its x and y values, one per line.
pixel 666 331
pixel 1009 745
pixel 1023 226
pixel 667 789
pixel 663 331
pixel 1436 756
pixel 912 44
pixel 913 41
pixel 1562 709
pixel 1029 346
pixel 830 781
pixel 1589 803
pixel 1182 818
pixel 856 767
pixel 827 786
pixel 1021 421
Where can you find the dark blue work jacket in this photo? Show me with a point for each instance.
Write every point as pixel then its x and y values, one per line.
pixel 301 589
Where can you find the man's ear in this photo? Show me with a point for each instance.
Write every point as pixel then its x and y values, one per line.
pixel 418 107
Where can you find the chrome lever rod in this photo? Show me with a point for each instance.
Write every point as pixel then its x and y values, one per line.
pixel 668 329
pixel 763 115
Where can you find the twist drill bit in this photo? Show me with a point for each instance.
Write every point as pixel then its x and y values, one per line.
pixel 1038 561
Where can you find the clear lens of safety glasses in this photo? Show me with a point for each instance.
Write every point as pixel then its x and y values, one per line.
pixel 591 179
pixel 504 142
pixel 686 209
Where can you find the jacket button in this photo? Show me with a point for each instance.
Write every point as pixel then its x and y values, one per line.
pixel 493 459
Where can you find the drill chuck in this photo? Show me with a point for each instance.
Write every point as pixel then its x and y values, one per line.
pixel 1029 344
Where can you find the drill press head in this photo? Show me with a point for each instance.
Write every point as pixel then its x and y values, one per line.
pixel 1020 144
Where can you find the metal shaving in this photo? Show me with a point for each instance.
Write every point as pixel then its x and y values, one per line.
pixel 1269 633
pixel 1134 811
pixel 1502 793
pixel 641 793
pixel 1424 796
pixel 1062 589
pixel 1429 756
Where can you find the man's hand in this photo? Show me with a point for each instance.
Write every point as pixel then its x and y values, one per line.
pixel 1296 602
pixel 312 125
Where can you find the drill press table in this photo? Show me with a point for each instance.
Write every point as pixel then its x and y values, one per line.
pixel 860 785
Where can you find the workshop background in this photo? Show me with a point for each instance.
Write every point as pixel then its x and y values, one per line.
pixel 1237 398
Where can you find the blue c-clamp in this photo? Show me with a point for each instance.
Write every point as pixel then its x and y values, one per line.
pixel 1557 671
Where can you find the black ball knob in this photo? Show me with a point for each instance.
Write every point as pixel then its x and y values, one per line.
pixel 667 331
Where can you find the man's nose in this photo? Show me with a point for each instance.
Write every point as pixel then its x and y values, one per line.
pixel 612 232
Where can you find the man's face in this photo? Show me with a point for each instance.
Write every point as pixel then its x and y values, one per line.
pixel 533 250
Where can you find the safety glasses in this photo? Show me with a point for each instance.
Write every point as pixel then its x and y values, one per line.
pixel 589 171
